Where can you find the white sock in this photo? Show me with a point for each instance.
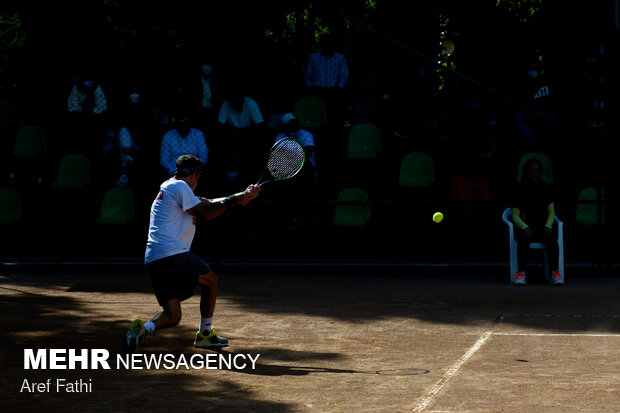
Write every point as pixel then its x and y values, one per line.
pixel 205 324
pixel 150 327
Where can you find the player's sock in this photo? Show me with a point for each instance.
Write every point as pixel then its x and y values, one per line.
pixel 205 324
pixel 150 327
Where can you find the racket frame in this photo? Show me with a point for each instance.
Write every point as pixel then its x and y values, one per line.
pixel 266 173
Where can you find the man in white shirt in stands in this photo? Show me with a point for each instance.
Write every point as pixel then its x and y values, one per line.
pixel 240 136
pixel 174 270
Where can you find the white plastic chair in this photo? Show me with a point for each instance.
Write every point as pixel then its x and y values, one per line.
pixel 514 266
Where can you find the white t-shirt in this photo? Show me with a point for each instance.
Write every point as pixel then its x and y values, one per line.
pixel 171 227
pixel 249 115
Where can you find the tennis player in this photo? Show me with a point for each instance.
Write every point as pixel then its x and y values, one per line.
pixel 175 270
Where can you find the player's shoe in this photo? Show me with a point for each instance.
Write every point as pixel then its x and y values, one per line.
pixel 519 278
pixel 133 339
pixel 211 340
pixel 556 278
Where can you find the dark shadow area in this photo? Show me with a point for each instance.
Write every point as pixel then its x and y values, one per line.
pixel 55 321
pixel 467 298
pixel 443 295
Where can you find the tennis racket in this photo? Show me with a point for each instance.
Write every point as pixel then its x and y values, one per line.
pixel 284 160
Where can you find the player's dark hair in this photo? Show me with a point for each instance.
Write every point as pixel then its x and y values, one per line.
pixel 187 165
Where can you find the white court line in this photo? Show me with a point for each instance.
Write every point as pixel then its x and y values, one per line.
pixel 451 372
pixel 557 334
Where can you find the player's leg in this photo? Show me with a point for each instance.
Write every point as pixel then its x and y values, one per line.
pixel 206 337
pixel 208 293
pixel 170 288
pixel 169 317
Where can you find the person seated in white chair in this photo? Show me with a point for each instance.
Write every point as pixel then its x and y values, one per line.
pixel 533 214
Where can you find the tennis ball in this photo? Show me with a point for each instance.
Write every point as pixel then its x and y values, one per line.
pixel 437 217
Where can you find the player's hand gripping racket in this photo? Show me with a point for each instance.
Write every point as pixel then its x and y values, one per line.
pixel 284 160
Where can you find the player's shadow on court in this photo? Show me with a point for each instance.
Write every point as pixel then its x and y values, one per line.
pixel 296 357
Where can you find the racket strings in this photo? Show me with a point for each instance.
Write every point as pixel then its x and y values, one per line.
pixel 285 160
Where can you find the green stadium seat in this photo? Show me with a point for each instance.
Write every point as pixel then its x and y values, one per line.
pixel 587 213
pixel 30 143
pixel 73 172
pixel 364 141
pixel 353 209
pixel 117 207
pixel 545 160
pixel 417 170
pixel 311 112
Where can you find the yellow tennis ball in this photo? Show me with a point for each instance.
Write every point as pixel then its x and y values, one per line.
pixel 437 217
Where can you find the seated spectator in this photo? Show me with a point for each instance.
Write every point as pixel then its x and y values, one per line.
pixel 86 107
pixel 182 140
pixel 87 96
pixel 207 109
pixel 120 150
pixel 241 136
pixel 239 114
pixel 533 214
pixel 291 129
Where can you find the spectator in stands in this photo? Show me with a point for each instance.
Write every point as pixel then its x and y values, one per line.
pixel 241 127
pixel 206 113
pixel 533 214
pixel 118 153
pixel 326 69
pixel 127 141
pixel 87 96
pixel 291 129
pixel 326 75
pixel 86 106
pixel 239 114
pixel 182 140
pixel 136 113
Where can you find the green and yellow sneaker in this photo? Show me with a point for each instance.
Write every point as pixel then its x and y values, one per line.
pixel 211 340
pixel 133 338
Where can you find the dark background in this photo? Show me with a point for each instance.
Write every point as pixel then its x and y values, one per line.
pixel 160 45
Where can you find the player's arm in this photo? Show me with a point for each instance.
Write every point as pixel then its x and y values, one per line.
pixel 209 209
pixel 243 198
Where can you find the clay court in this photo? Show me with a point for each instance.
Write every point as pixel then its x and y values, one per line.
pixel 377 340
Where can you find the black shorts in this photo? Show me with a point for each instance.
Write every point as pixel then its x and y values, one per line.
pixel 176 276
